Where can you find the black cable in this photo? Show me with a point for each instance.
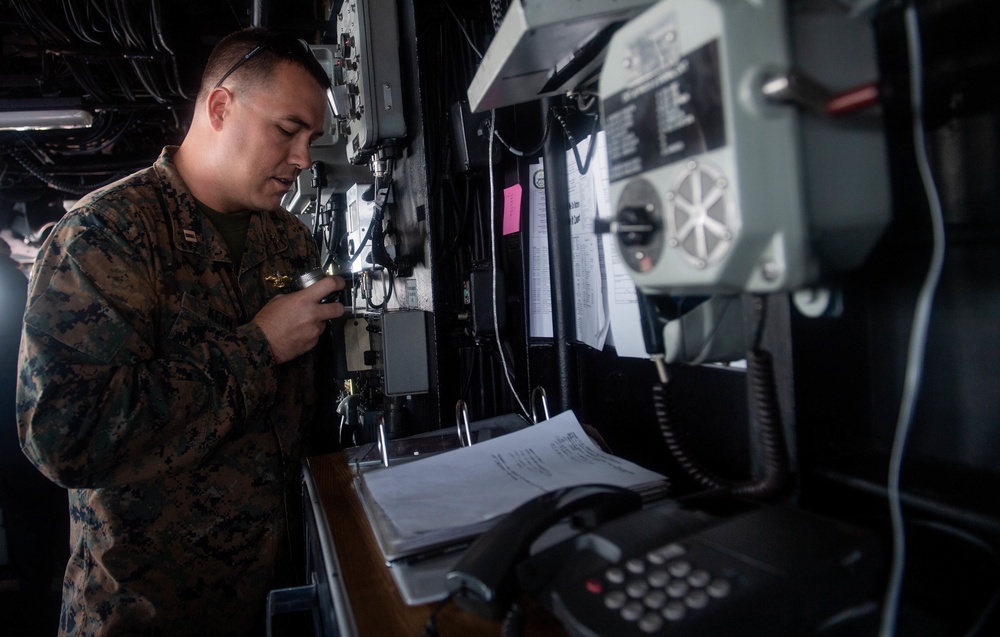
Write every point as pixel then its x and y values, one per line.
pixel 582 166
pixel 58 184
pixel 84 78
pixel 80 27
pixel 467 385
pixel 31 14
pixel 532 151
pixel 460 230
pixel 146 80
pixel 465 32
pixel 122 80
pixel 133 35
pixel 514 621
pixel 161 44
pixel 761 321
pixel 585 101
pixel 384 304
pixel 430 628
pixel 94 140
pixel 771 483
pixel 120 38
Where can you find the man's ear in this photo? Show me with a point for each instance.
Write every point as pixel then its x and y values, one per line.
pixel 217 105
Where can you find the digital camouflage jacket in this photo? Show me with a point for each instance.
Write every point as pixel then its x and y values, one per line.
pixel 146 391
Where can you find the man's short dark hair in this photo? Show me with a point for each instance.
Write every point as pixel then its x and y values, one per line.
pixel 250 56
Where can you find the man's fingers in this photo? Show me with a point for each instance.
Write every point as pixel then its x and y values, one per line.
pixel 324 287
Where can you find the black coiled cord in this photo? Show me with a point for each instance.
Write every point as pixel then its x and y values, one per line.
pixel 514 621
pixel 498 8
pixel 760 375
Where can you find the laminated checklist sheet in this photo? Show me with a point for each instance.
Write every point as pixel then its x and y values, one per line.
pixel 446 500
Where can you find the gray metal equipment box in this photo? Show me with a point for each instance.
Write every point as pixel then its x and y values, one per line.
pixel 404 352
pixel 717 188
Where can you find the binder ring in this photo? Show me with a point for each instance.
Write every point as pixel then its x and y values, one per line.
pixel 462 419
pixel 535 393
pixel 383 447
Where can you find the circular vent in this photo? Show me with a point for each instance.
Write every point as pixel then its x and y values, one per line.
pixel 701 216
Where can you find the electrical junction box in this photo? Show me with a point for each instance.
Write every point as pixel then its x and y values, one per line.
pixel 715 188
pixel 370 89
pixel 392 345
pixel 402 352
pixel 359 218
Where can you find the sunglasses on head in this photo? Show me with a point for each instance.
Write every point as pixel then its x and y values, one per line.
pixel 254 51
pixel 240 62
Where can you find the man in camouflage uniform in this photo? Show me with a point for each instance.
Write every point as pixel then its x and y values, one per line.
pixel 164 380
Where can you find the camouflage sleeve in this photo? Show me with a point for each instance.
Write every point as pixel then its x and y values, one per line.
pixel 103 396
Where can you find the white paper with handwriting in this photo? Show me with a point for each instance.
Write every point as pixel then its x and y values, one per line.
pixel 460 493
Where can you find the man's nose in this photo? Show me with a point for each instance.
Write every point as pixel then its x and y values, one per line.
pixel 300 156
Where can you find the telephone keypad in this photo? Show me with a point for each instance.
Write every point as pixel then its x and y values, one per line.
pixel 658 578
pixel 718 588
pixel 674 611
pixel 650 623
pixel 696 599
pixel 632 611
pixel 655 599
pixel 672 588
pixel 713 577
pixel 615 600
pixel 699 578
pixel 637 588
pixel 615 575
pixel 678 588
pixel 679 569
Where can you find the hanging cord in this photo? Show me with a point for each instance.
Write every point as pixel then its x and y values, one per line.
pixel 918 329
pixel 534 150
pixel 521 153
pixel 493 253
pixel 771 439
pixel 465 32
pixel 582 165
pixel 771 434
pixel 388 281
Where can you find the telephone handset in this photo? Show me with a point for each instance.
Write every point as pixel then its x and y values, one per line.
pixel 484 580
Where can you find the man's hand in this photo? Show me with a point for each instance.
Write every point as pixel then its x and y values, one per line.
pixel 293 323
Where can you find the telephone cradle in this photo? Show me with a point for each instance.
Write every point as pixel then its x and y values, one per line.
pixel 668 569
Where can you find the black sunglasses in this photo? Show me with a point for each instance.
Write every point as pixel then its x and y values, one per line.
pixel 303 49
pixel 240 62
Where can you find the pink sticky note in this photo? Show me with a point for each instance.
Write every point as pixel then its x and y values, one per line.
pixel 512 209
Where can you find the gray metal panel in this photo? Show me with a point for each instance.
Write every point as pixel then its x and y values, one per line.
pixel 536 39
pixel 371 75
pixel 404 352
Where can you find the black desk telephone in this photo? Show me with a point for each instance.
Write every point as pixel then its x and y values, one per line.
pixel 670 569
